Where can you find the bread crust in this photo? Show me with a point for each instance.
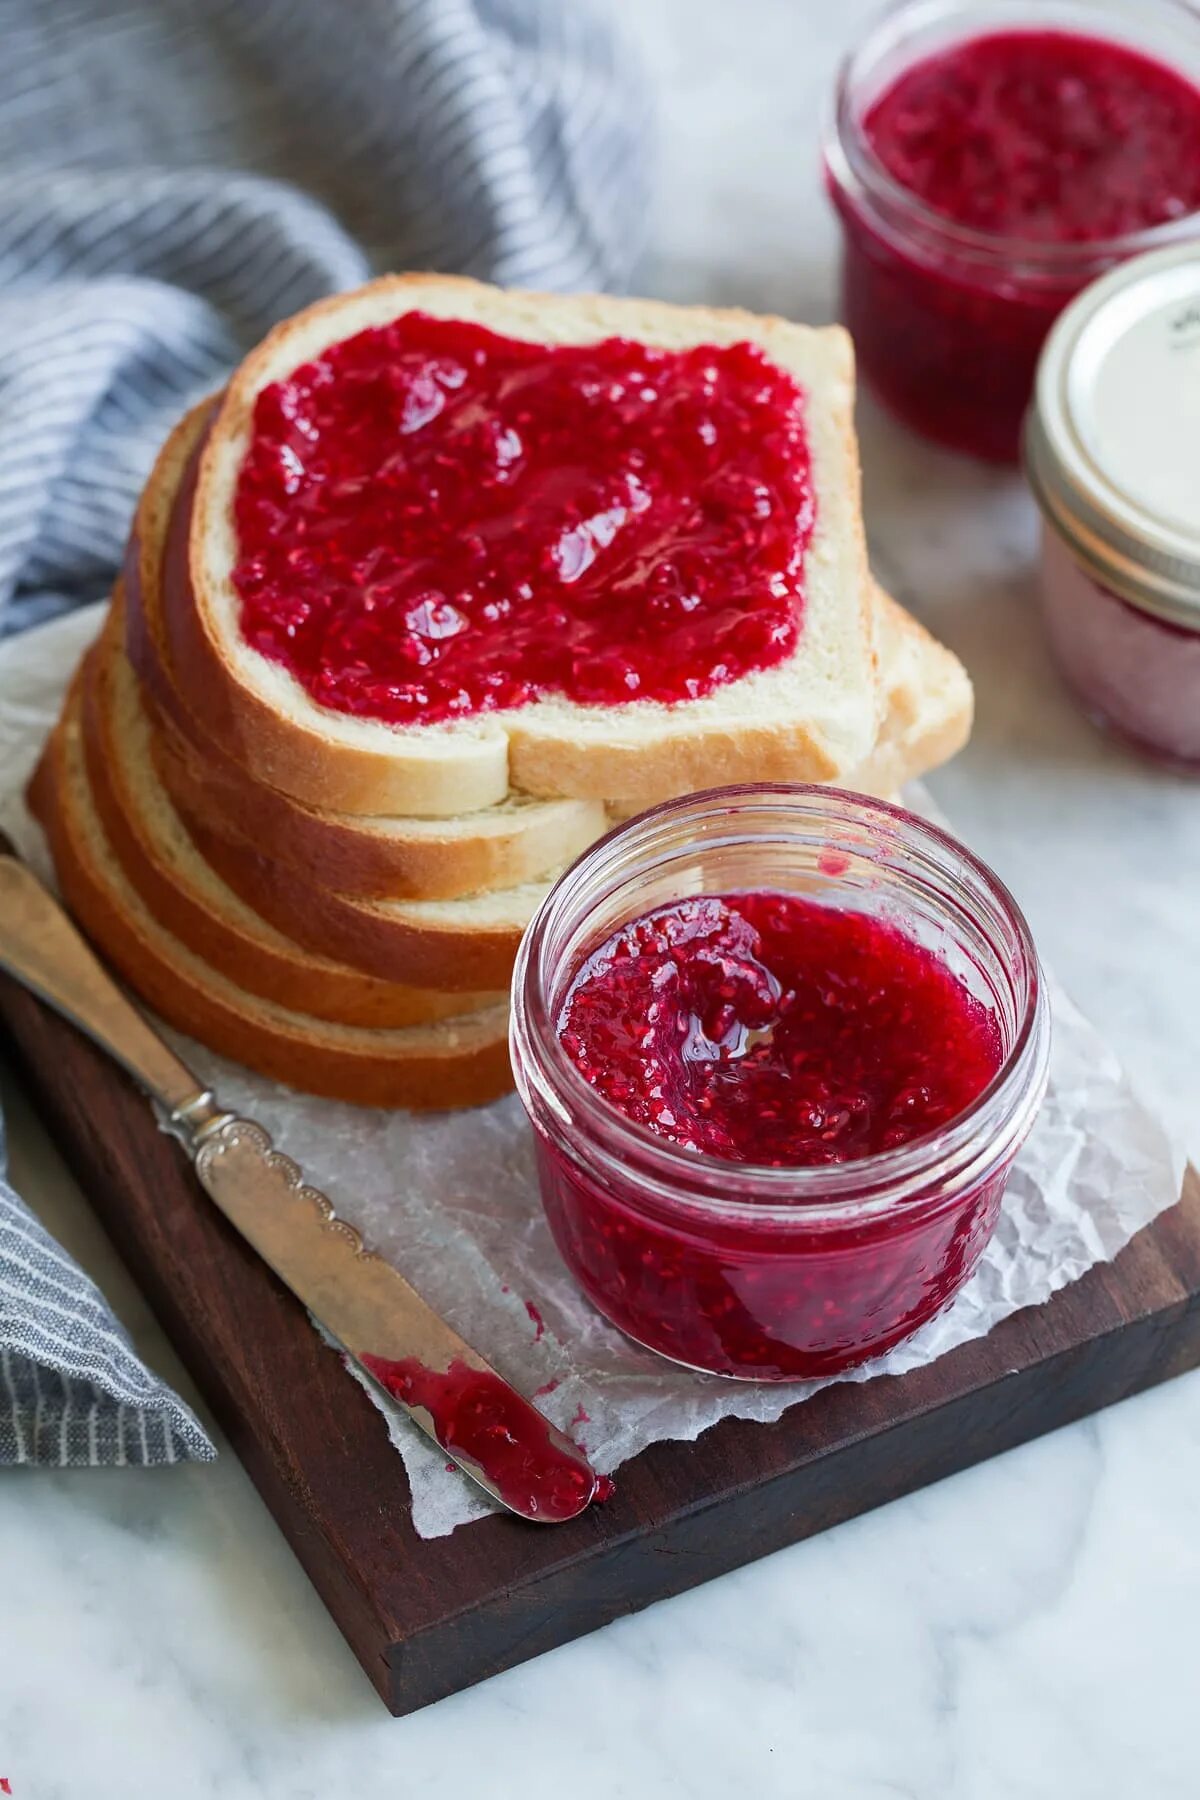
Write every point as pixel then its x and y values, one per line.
pixel 323 848
pixel 368 1069
pixel 249 953
pixel 416 946
pixel 422 945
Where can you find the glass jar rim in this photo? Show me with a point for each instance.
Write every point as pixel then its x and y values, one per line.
pixel 823 1194
pixel 851 160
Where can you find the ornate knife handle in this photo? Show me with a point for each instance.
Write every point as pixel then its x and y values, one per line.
pixel 515 1454
pixel 46 953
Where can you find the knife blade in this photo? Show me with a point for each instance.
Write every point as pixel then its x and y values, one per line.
pixel 484 1425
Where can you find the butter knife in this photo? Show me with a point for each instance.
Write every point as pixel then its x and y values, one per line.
pixel 489 1430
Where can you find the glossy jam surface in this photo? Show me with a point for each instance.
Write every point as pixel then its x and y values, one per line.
pixel 767 1028
pixel 1048 136
pixel 1051 137
pixel 434 521
pixel 477 1417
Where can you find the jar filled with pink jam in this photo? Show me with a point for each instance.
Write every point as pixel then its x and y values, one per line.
pixel 988 159
pixel 1112 451
pixel 779 1048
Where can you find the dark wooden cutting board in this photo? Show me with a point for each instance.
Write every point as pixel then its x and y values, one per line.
pixel 426 1618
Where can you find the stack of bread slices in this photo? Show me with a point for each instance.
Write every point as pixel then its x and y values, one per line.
pixel 335 900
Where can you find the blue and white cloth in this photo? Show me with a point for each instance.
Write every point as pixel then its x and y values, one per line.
pixel 73 1390
pixel 175 176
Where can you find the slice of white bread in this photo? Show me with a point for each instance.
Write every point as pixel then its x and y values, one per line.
pixel 316 896
pixel 386 856
pixel 188 897
pixel 926 693
pixel 472 941
pixel 930 703
pixel 461 946
pixel 930 706
pixel 812 717
pixel 452 1063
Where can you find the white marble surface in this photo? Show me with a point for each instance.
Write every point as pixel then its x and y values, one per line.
pixel 1021 1632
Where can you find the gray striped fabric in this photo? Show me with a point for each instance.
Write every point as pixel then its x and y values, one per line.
pixel 175 176
pixel 72 1388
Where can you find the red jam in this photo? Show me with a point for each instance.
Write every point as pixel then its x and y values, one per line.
pixel 1032 138
pixel 435 521
pixel 515 1448
pixel 774 1121
pixel 766 1028
pixel 1043 135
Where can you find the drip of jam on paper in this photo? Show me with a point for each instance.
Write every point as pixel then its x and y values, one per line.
pixel 1050 136
pixel 536 1320
pixel 478 1418
pixel 435 521
pixel 767 1028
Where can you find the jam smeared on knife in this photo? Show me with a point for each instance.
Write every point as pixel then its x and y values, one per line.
pixel 766 1028
pixel 477 1417
pixel 435 521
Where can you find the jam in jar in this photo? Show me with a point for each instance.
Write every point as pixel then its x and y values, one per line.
pixel 779 1047
pixel 988 159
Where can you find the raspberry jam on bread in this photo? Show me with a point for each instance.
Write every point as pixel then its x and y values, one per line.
pixel 771 1029
pixel 631 499
pixel 774 1125
pixel 479 1419
pixel 985 176
pixel 434 520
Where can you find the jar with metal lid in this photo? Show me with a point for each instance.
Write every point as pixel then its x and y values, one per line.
pixel 1112 451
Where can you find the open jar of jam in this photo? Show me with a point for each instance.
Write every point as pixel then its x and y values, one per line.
pixel 779 1048
pixel 988 159
pixel 1112 451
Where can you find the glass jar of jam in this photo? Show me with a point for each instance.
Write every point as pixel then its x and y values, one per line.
pixel 1112 451
pixel 779 1048
pixel 988 159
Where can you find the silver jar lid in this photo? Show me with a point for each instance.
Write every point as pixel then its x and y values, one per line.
pixel 1112 439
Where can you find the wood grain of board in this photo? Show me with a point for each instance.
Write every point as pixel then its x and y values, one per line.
pixel 427 1618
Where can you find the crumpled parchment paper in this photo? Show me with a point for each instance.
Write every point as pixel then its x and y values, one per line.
pixel 452 1200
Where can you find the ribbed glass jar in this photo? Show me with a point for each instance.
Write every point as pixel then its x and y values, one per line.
pixel 776 1273
pixel 1112 454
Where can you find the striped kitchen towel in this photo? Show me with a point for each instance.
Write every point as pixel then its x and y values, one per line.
pixel 73 1390
pixel 175 176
